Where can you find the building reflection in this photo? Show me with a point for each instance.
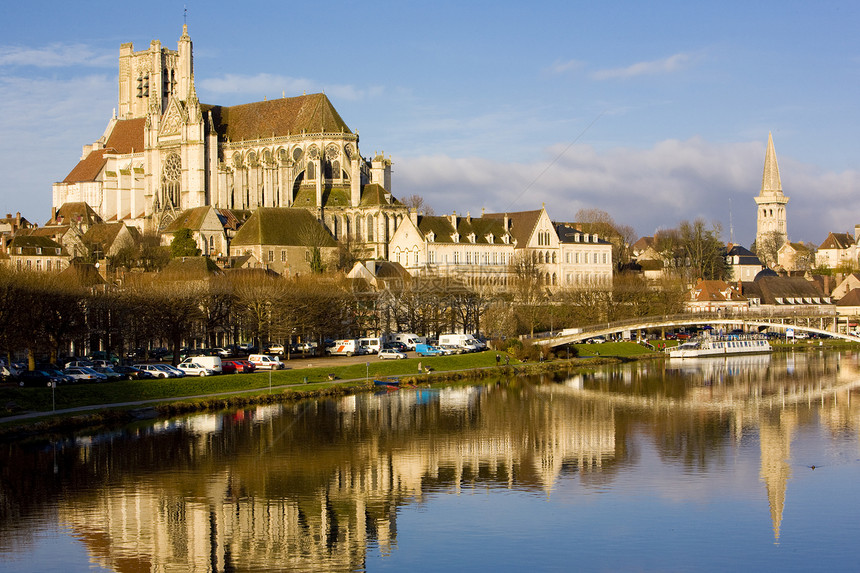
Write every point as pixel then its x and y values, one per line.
pixel 316 485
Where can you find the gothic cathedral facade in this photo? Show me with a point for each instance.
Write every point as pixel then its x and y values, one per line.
pixel 164 151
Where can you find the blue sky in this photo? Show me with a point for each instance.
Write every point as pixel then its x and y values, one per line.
pixel 653 112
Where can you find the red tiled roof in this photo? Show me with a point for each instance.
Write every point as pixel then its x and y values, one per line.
pixel 88 168
pixel 127 135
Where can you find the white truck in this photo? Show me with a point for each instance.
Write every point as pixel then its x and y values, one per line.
pixel 370 345
pixel 344 347
pixel 465 341
pixel 408 338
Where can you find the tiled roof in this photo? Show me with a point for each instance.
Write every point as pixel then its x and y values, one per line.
pixel 782 290
pixel 850 299
pixel 76 211
pixel 713 290
pixel 837 241
pixel 188 219
pixel 127 136
pixel 277 117
pixel 522 224
pixel 567 233
pixel 88 168
pixel 29 245
pixel 104 234
pixel 282 226
pixel 375 194
pixel 83 274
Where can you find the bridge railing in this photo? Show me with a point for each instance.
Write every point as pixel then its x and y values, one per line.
pixel 768 315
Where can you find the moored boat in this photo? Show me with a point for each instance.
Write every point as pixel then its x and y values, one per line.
pixel 717 346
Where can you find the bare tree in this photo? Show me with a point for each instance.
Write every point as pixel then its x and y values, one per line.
pixel 767 248
pixel 418 204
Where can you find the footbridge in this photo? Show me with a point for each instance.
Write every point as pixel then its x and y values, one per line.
pixel 817 323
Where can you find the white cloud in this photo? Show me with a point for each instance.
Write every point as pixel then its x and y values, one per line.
pixel 646 188
pixel 664 66
pixel 56 56
pixel 561 67
pixel 272 85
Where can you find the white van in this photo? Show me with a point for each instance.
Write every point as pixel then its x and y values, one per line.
pixel 465 341
pixel 408 338
pixel 345 347
pixel 213 363
pixel 266 362
pixel 370 345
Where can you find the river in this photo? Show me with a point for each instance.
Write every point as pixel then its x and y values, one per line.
pixel 748 463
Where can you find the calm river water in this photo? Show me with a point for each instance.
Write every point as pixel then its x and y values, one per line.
pixel 748 463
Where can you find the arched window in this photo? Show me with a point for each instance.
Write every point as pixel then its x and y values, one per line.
pixel 370 227
pixel 309 171
pixel 171 175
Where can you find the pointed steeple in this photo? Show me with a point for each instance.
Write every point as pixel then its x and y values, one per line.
pixel 770 183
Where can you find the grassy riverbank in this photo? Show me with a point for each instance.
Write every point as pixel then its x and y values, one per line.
pixel 106 401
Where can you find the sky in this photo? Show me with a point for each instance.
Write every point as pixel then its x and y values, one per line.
pixel 655 112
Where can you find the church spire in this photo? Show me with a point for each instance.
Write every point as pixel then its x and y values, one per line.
pixel 770 183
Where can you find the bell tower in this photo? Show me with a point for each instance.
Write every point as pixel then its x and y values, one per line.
pixel 770 201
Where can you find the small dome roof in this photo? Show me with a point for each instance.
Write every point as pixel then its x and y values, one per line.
pixel 764 273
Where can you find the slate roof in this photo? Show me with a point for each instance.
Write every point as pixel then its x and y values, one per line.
pixel 282 226
pixel 443 229
pixel 277 117
pixel 746 257
pixel 29 244
pixel 567 234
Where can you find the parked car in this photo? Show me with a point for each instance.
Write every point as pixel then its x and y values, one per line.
pixel 85 374
pixel 153 371
pixel 37 378
pixel 52 370
pixel 427 350
pixel 391 354
pixel 80 364
pixel 132 373
pixel 211 362
pixel 266 362
pixel 222 352
pixel 399 346
pixel 275 349
pixel 109 372
pixel 194 369
pixel 448 349
pixel 238 365
pixel 172 371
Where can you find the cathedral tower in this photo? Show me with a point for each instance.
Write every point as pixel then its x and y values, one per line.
pixel 771 202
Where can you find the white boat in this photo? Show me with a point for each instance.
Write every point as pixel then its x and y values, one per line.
pixel 720 347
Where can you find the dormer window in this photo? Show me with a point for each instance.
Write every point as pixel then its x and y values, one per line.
pixel 506 239
pixel 585 238
pixel 455 237
pixel 471 237
pixel 490 238
pixel 431 236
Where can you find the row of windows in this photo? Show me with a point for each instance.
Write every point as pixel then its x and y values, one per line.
pixel 468 258
pixel 48 265
pixel 587 279
pixel 586 258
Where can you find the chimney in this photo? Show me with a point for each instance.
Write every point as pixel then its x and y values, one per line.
pixel 468 217
pixel 453 218
pixel 507 223
pixel 740 288
pixel 53 214
pixel 18 220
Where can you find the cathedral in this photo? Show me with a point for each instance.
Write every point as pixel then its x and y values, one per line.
pixel 164 152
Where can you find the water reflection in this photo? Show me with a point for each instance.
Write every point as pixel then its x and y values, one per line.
pixel 317 484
